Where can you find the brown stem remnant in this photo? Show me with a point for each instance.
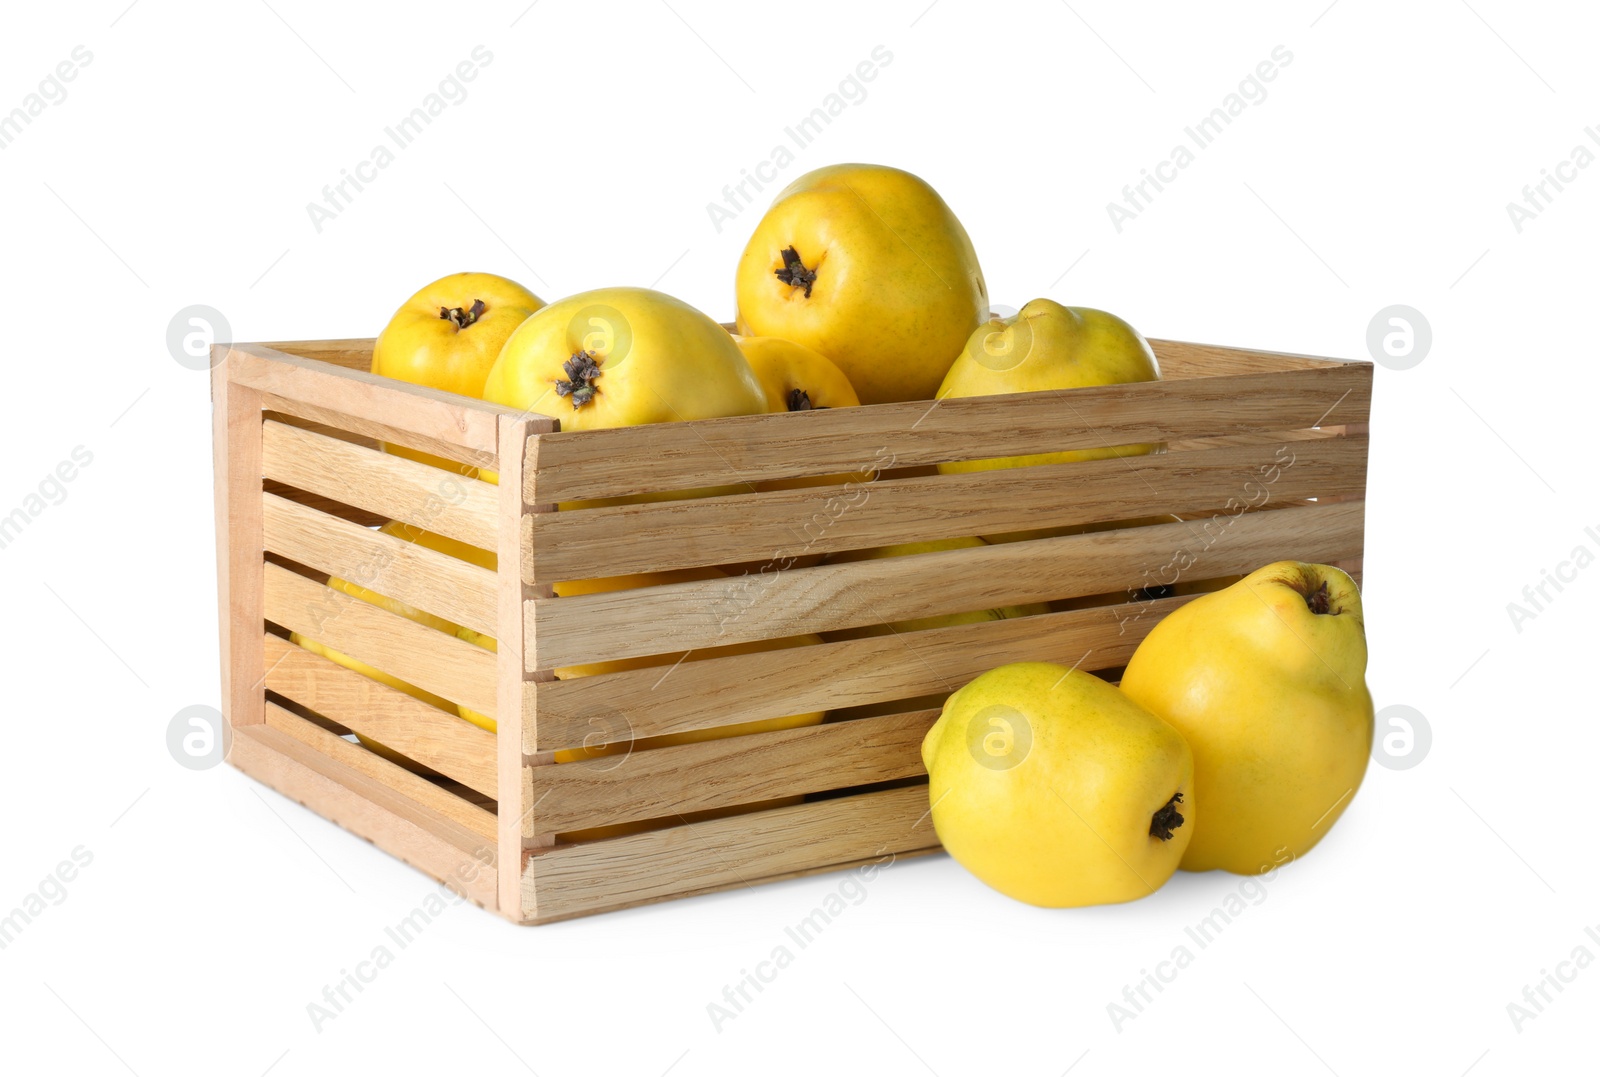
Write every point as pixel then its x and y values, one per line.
pixel 581 371
pixel 460 318
pixel 1318 601
pixel 800 400
pixel 794 272
pixel 1166 819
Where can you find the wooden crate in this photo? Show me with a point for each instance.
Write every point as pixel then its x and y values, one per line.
pixel 1266 460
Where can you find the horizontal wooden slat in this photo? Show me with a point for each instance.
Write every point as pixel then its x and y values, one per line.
pixel 784 524
pixel 664 782
pixel 352 353
pixel 684 616
pixel 396 406
pixel 1185 359
pixel 444 665
pixel 391 566
pixel 387 783
pixel 401 489
pixel 828 676
pixel 300 412
pixel 395 823
pixel 714 452
pixel 570 879
pixel 442 741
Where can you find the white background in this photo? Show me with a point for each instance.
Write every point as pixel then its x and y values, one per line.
pixel 1376 171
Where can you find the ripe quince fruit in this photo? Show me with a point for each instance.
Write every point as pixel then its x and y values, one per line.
pixel 1056 789
pixel 1267 681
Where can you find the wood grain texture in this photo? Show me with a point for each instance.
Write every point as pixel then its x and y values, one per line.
pixel 372 432
pixel 236 476
pixel 436 847
pixel 710 692
pixel 1185 359
pixel 419 655
pixel 617 872
pixel 665 782
pixel 420 577
pixel 352 353
pixel 461 822
pixel 750 448
pixel 442 741
pixel 427 497
pixel 710 613
pixel 396 406
pixel 511 759
pixel 786 524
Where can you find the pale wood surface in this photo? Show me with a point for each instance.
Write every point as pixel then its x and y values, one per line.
pixel 440 740
pixel 400 489
pixel 420 577
pixel 442 664
pixel 709 613
pixel 396 788
pixel 749 448
pixel 448 417
pixel 710 692
pixel 665 782
pixel 623 539
pixel 236 466
pixel 511 759
pixel 302 774
pixel 373 432
pixel 718 852
pixel 1184 359
pixel 352 353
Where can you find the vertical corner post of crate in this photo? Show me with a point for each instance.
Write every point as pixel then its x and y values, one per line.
pixel 1357 423
pixel 237 467
pixel 517 437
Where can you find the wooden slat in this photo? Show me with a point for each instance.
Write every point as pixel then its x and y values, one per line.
pixel 390 784
pixel 395 406
pixel 619 872
pixel 419 655
pixel 327 419
pixel 682 616
pixel 442 741
pixel 352 353
pixel 654 537
pixel 1185 359
pixel 236 466
pixel 710 692
pixel 391 566
pixel 713 452
pixel 511 758
pixel 397 825
pixel 400 489
pixel 664 782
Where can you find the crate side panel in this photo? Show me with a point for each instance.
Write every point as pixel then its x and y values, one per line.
pixel 779 526
pixel 437 739
pixel 568 880
pixel 710 613
pixel 753 448
pixel 427 497
pixel 432 660
pixel 407 571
